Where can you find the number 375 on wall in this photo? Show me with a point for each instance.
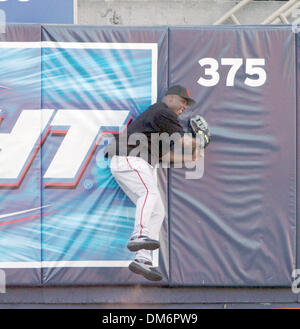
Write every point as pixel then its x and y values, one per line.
pixel 253 67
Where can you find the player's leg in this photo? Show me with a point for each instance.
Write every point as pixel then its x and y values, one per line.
pixel 135 177
pixel 143 263
pixel 158 216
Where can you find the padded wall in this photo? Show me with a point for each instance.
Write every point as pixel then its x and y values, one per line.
pixel 63 218
pixel 236 226
pixel 20 159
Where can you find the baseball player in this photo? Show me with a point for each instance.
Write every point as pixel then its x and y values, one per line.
pixel 136 177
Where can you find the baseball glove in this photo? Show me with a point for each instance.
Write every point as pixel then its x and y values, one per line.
pixel 199 126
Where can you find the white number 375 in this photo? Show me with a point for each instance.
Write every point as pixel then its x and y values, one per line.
pixel 253 67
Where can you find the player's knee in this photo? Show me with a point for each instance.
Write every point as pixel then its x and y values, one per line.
pixel 162 210
pixel 159 205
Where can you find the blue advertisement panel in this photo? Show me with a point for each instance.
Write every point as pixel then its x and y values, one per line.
pixel 64 219
pixel 37 11
pixel 21 131
pixel 94 87
pixel 236 226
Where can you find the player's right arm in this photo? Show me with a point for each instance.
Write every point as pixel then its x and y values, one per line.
pixel 190 154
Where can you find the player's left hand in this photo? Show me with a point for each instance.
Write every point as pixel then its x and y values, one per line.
pixel 199 126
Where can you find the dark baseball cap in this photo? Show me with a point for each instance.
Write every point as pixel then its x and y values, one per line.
pixel 181 91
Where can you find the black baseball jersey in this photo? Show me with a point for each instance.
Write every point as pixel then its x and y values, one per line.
pixel 151 145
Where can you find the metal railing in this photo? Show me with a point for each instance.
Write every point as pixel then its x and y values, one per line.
pixel 231 13
pixel 282 14
pixel 279 16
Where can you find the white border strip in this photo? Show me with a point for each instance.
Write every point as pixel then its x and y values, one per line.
pixel 87 263
pixel 154 71
pixel 55 264
pixel 5 44
pixel 86 45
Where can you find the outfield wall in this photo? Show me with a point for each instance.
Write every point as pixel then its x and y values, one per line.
pixel 63 219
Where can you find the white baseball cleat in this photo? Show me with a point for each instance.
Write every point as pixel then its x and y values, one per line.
pixel 142 242
pixel 146 269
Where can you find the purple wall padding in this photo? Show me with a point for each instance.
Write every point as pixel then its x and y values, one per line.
pixel 236 226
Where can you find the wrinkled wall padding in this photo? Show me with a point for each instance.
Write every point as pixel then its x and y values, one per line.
pixel 67 217
pixel 20 206
pixel 63 218
pixel 93 220
pixel 236 226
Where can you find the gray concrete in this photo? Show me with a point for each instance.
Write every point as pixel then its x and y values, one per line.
pixel 169 12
